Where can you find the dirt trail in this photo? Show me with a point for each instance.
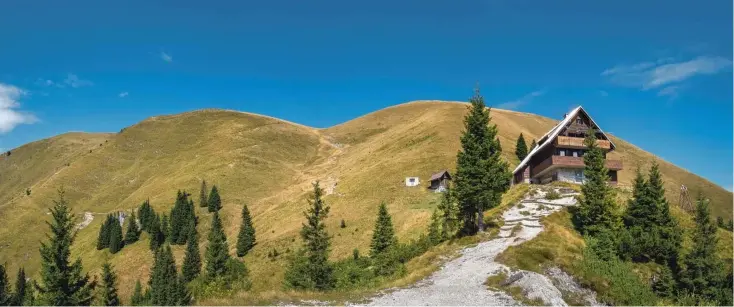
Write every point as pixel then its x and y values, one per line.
pixel 461 281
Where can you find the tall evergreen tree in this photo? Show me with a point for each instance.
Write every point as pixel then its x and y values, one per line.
pixel 156 234
pixel 116 241
pixel 166 228
pixel 597 208
pixel 147 215
pixel 6 295
pixel 137 298
pixel 103 239
pixel 532 145
pixel 703 275
pixel 434 229
pixel 214 203
pixel 132 234
pixel 109 288
pixel 481 174
pixel 191 267
pixel 20 288
pixel 246 237
pixel 311 267
pixel 449 214
pixel 383 236
pixel 165 286
pixel 521 149
pixel 62 282
pixel 203 195
pixel 217 250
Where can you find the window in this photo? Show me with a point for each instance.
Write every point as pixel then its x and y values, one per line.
pixel 575 153
pixel 411 180
pixel 579 120
pixel 562 153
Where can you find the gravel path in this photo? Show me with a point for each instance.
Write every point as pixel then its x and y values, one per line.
pixel 461 281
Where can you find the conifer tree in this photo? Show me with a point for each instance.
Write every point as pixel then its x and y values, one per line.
pixel 532 145
pixel 147 215
pixel 666 231
pixel 20 287
pixel 449 214
pixel 720 222
pixel 597 207
pixel 63 283
pixel 137 298
pixel 481 174
pixel 191 267
pixel 6 295
pixel 246 237
pixel 166 228
pixel 311 267
pixel 109 288
pixel 383 236
pixel 217 250
pixel 703 275
pixel 133 231
pixel 103 239
pixel 434 229
pixel 165 286
pixel 116 241
pixel 203 195
pixel 521 149
pixel 156 234
pixel 730 225
pixel 214 203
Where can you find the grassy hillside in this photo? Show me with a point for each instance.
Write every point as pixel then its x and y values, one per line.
pixel 267 164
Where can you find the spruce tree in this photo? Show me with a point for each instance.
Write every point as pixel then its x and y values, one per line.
pixel 103 239
pixel 133 231
pixel 182 215
pixel 214 203
pixel 6 295
pixel 166 288
pixel 434 229
pixel 147 215
pixel 217 250
pixel 156 234
pixel 383 237
pixel 532 145
pixel 666 233
pixel 137 298
pixel 703 275
pixel 203 195
pixel 20 287
pixel 521 149
pixel 310 268
pixel 116 241
pixel 191 267
pixel 246 237
pixel 449 213
pixel 109 288
pixel 165 228
pixel 597 207
pixel 730 225
pixel 62 282
pixel 481 174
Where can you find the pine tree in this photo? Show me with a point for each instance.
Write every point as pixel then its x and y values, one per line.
pixel 147 215
pixel 481 175
pixel 137 298
pixel 521 149
pixel 310 268
pixel 62 282
pixel 133 231
pixel 383 236
pixel 203 195
pixel 730 225
pixel 720 222
pixel 217 250
pixel 532 145
pixel 434 229
pixel 703 274
pixel 191 267
pixel 103 239
pixel 156 234
pixel 182 215
pixel 116 241
pixel 666 232
pixel 449 214
pixel 109 288
pixel 165 228
pixel 597 208
pixel 214 202
pixel 6 295
pixel 20 287
pixel 664 284
pixel 165 286
pixel 246 237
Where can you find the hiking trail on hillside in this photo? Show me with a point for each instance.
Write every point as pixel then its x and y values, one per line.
pixel 461 281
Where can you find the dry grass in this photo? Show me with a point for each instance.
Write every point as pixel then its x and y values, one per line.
pixel 267 164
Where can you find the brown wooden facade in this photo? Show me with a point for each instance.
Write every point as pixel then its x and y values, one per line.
pixel 559 154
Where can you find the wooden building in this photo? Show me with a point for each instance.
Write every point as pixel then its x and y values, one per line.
pixel 440 181
pixel 558 156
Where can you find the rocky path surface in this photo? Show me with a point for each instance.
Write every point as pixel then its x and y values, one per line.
pixel 461 280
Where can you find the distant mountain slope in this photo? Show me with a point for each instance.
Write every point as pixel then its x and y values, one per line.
pixel 269 165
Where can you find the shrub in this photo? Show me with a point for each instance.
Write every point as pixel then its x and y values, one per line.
pixel 552 195
pixel 614 280
pixel 235 279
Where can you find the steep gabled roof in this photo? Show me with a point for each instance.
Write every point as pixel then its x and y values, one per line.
pixel 553 133
pixel 438 175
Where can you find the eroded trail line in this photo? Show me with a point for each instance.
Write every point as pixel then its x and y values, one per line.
pixel 461 281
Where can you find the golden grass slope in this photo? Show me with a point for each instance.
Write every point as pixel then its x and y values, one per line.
pixel 268 164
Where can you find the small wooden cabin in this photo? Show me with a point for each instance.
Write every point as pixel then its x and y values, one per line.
pixel 440 181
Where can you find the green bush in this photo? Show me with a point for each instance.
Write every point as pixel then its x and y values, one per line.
pixel 235 279
pixel 552 195
pixel 614 281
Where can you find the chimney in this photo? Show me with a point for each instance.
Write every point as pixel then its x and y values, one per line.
pixel 564 115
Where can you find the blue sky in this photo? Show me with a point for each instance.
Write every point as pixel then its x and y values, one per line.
pixel 655 73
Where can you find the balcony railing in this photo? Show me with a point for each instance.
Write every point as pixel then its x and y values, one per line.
pixel 570 162
pixel 575 142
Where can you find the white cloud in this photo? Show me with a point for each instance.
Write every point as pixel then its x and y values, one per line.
pixel 166 57
pixel 669 91
pixel 664 72
pixel 74 81
pixel 10 116
pixel 514 104
pixel 123 94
